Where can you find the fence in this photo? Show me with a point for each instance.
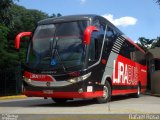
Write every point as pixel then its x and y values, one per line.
pixel 10 81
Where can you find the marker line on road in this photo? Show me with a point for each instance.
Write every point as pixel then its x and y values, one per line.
pixel 13 97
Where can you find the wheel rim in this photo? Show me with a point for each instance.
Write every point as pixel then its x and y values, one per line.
pixel 105 92
pixel 138 90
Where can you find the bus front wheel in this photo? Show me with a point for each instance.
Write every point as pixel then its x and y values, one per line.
pixel 106 94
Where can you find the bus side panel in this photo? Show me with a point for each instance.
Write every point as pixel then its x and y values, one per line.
pixel 126 74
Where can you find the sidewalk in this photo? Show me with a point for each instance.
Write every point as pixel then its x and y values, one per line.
pixel 13 97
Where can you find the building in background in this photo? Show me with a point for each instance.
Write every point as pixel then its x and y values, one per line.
pixel 153 61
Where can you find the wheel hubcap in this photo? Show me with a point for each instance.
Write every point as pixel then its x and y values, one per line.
pixel 105 92
pixel 138 90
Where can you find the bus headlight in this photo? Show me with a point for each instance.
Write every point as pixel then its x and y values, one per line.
pixel 27 80
pixel 80 78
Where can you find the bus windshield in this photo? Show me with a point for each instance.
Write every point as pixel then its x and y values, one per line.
pixel 57 45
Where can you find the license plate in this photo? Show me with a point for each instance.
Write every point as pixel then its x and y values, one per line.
pixel 48 91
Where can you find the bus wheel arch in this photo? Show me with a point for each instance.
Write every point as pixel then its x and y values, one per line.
pixel 139 89
pixel 138 93
pixel 110 81
pixel 107 91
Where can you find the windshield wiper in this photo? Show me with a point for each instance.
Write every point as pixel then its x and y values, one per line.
pixel 55 51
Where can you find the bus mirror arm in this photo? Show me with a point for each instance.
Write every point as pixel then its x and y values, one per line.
pixel 87 34
pixel 19 36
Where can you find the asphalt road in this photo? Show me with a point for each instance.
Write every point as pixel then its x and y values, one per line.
pixel 119 105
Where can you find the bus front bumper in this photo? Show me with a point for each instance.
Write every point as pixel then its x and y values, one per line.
pixel 70 91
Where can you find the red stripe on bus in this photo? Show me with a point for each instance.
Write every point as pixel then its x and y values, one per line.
pixel 38 77
pixel 122 92
pixel 64 94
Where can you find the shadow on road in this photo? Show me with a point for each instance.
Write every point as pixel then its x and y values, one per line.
pixel 36 102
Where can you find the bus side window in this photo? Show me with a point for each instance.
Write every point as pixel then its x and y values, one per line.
pixel 140 57
pixel 96 23
pixel 93 51
pixel 109 39
pixel 95 46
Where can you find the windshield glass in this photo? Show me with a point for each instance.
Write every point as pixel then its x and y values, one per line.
pixel 57 46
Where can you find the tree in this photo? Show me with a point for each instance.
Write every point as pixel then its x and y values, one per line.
pixel 148 43
pixel 58 15
pixel 5 15
pixel 54 15
pixel 5 6
pixel 156 43
pixel 23 20
pixel 13 20
pixel 145 43
pixel 158 1
pixel 7 59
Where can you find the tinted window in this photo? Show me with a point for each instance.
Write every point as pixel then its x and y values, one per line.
pixel 140 57
pixel 95 46
pixel 110 39
pixel 131 52
pixel 96 23
pixel 157 64
pixel 127 50
pixel 71 28
pixel 58 45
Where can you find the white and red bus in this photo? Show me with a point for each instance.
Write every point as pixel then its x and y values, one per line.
pixel 81 56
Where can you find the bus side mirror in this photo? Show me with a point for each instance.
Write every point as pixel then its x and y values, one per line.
pixel 19 36
pixel 87 34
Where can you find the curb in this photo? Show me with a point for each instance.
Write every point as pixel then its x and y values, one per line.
pixel 157 95
pixel 13 97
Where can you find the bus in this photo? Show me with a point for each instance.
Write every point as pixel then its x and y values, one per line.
pixel 153 64
pixel 81 56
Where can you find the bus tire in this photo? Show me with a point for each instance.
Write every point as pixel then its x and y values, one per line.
pixel 137 95
pixel 59 100
pixel 106 94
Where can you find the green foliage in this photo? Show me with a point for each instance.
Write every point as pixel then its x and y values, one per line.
pixel 145 43
pixel 5 16
pixel 54 15
pixel 158 1
pixel 7 59
pixel 13 20
pixel 58 15
pixel 24 20
pixel 156 43
pixel 148 43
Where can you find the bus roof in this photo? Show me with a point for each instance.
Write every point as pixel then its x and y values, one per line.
pixel 75 18
pixel 66 18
